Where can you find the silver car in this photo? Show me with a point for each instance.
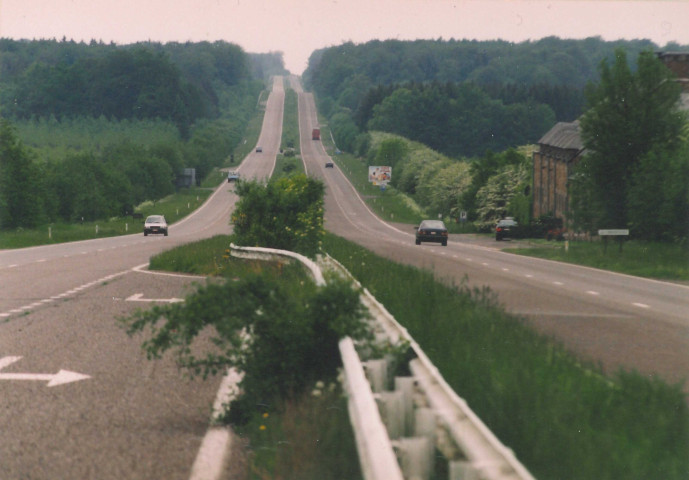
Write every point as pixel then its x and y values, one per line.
pixel 155 224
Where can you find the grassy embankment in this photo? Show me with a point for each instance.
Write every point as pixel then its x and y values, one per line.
pixel 563 419
pixel 644 259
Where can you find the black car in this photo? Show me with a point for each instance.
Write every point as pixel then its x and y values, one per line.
pixel 505 228
pixel 329 165
pixel 431 231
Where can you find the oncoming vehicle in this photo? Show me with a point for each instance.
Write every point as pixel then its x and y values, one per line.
pixel 155 224
pixel 505 228
pixel 259 149
pixel 431 231
pixel 232 176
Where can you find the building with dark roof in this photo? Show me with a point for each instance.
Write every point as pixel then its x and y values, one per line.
pixel 560 149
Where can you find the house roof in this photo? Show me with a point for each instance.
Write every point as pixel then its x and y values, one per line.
pixel 563 135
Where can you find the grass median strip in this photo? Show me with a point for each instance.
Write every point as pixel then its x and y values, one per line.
pixel 562 418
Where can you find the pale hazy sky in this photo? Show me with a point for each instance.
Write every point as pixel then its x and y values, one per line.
pixel 298 27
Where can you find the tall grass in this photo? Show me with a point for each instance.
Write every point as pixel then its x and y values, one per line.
pixel 308 438
pixel 562 418
pixel 643 259
pixel 290 122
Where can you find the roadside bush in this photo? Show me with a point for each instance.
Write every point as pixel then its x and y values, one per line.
pixel 281 332
pixel 287 213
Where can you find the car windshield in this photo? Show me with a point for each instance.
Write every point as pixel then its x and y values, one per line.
pixel 507 223
pixel 432 224
pixel 154 219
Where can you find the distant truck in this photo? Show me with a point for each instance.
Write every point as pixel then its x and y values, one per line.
pixel 316 134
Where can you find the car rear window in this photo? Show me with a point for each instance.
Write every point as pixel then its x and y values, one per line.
pixel 432 224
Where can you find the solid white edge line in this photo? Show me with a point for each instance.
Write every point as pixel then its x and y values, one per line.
pixel 217 443
pixel 210 460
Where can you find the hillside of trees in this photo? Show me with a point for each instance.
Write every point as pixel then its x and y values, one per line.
pixel 89 131
pixel 461 98
pixel 177 82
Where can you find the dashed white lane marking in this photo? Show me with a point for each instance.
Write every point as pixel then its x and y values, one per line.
pixel 559 284
pixel 641 305
pixel 593 292
pixel 68 293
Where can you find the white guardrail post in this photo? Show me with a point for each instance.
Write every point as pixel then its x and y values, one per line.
pixel 423 405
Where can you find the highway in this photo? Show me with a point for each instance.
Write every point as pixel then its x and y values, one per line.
pixel 616 320
pixel 120 416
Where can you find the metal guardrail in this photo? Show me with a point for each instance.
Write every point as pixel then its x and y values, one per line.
pixel 471 448
pixel 260 253
pixel 486 457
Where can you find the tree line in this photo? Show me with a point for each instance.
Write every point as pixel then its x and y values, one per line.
pixel 107 127
pixel 460 97
pixel 635 171
pixel 176 82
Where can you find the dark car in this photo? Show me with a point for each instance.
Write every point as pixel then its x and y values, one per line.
pixel 155 224
pixel 329 165
pixel 431 231
pixel 259 149
pixel 505 228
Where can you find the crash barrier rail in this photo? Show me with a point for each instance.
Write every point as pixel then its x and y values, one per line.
pixel 273 254
pixel 415 415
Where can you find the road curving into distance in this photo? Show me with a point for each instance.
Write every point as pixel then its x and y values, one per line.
pixel 616 320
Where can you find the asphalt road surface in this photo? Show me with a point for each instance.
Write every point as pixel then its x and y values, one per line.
pixel 119 416
pixel 614 320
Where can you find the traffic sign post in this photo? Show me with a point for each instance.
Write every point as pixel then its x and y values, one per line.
pixel 611 232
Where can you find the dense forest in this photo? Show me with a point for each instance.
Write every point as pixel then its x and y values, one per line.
pixel 474 104
pixel 89 131
pixel 461 98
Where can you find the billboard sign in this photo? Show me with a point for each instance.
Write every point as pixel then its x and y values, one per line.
pixel 379 175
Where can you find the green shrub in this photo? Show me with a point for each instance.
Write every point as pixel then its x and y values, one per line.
pixel 287 213
pixel 281 331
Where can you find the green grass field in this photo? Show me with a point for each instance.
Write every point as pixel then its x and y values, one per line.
pixel 644 259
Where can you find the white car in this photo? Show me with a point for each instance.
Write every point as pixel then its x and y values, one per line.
pixel 155 224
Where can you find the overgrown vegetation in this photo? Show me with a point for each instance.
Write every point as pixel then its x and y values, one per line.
pixel 311 439
pixel 287 213
pixel 562 418
pixel 281 332
pixel 486 188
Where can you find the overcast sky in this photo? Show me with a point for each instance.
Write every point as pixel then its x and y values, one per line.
pixel 298 27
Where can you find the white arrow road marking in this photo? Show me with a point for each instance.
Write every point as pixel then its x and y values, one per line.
pixel 59 378
pixel 138 297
